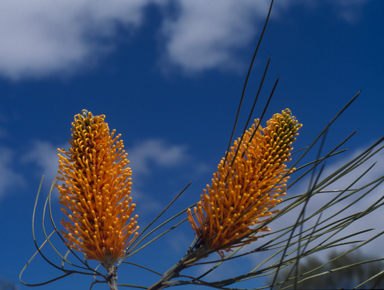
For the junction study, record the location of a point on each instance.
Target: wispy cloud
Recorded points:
(9, 178)
(158, 152)
(44, 155)
(146, 157)
(372, 220)
(205, 35)
(348, 10)
(44, 38)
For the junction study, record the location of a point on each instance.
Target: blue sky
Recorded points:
(168, 75)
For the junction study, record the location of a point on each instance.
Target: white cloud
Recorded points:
(147, 153)
(151, 157)
(42, 38)
(143, 157)
(348, 10)
(9, 177)
(146, 205)
(44, 155)
(158, 152)
(372, 220)
(205, 35)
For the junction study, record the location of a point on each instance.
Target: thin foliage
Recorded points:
(282, 250)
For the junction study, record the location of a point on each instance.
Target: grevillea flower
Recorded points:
(247, 185)
(95, 192)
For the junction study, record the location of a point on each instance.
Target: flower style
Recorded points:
(247, 185)
(95, 192)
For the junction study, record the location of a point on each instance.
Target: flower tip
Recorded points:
(92, 149)
(250, 181)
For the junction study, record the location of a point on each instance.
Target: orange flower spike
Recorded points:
(242, 194)
(95, 192)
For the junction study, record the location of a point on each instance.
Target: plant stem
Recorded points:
(187, 261)
(112, 277)
(170, 274)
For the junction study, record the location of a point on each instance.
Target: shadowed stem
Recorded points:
(112, 277)
(170, 274)
(187, 261)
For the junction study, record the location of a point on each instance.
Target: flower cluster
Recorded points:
(95, 192)
(247, 185)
